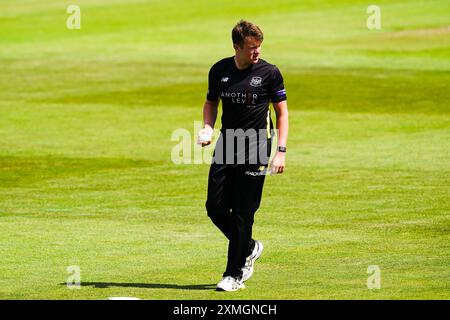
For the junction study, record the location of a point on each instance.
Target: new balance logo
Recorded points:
(224, 79)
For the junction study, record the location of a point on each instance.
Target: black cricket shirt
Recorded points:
(245, 94)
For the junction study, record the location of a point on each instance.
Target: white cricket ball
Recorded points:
(203, 137)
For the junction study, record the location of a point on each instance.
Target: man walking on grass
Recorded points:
(246, 85)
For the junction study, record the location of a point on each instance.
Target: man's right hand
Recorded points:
(205, 136)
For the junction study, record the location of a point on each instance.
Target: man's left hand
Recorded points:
(277, 165)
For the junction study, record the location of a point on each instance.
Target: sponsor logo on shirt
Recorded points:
(224, 79)
(256, 82)
(262, 170)
(240, 97)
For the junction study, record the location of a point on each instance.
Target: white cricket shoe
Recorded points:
(248, 268)
(230, 284)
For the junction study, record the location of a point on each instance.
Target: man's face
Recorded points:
(250, 51)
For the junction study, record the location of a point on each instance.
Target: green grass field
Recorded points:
(86, 177)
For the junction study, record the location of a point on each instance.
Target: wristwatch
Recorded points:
(281, 149)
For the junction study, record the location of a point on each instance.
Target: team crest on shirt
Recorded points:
(256, 82)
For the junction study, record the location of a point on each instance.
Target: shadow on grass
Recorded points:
(104, 285)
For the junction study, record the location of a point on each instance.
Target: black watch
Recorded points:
(281, 149)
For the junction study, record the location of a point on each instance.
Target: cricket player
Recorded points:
(246, 84)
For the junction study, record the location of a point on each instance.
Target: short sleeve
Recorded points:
(277, 91)
(213, 85)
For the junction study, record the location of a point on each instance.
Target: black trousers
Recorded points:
(234, 195)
